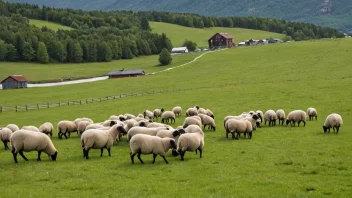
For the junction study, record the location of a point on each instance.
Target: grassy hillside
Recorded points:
(278, 161)
(50, 25)
(178, 33)
(39, 72)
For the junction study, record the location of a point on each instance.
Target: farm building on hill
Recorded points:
(14, 82)
(221, 40)
(179, 50)
(126, 73)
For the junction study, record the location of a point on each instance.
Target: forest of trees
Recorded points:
(104, 36)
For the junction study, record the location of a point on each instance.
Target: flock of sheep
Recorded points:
(148, 137)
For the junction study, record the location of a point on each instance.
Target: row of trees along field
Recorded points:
(105, 36)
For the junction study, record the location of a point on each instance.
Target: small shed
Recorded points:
(126, 73)
(221, 40)
(179, 50)
(14, 82)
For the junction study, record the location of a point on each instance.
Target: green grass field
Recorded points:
(48, 24)
(278, 162)
(178, 34)
(38, 72)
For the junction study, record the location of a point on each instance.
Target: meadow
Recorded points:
(178, 33)
(48, 24)
(279, 161)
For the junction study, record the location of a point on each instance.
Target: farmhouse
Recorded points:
(14, 82)
(126, 73)
(221, 40)
(179, 50)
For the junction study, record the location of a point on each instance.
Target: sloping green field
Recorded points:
(278, 162)
(178, 34)
(48, 24)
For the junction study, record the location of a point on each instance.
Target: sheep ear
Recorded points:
(181, 131)
(112, 123)
(175, 133)
(122, 130)
(255, 117)
(212, 116)
(173, 144)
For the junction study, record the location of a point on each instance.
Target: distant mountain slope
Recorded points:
(333, 13)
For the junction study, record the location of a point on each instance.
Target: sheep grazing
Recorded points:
(120, 117)
(171, 133)
(128, 124)
(207, 120)
(129, 116)
(100, 139)
(192, 121)
(146, 144)
(271, 117)
(47, 128)
(94, 126)
(157, 113)
(260, 115)
(12, 127)
(333, 121)
(192, 140)
(82, 126)
(210, 113)
(280, 114)
(177, 111)
(5, 134)
(76, 121)
(27, 141)
(168, 115)
(202, 111)
(143, 130)
(296, 116)
(30, 128)
(192, 112)
(312, 113)
(65, 127)
(235, 127)
(143, 123)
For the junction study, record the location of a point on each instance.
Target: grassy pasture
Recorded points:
(48, 24)
(278, 162)
(178, 33)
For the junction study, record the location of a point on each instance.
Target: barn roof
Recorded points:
(226, 35)
(18, 78)
(126, 72)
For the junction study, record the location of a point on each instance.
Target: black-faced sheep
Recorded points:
(296, 116)
(312, 113)
(333, 121)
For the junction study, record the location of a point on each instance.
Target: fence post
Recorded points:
(59, 104)
(68, 103)
(38, 106)
(107, 97)
(26, 107)
(0, 109)
(80, 101)
(16, 108)
(86, 101)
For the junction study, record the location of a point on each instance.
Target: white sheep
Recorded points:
(143, 123)
(280, 114)
(31, 128)
(333, 121)
(177, 111)
(202, 111)
(5, 134)
(27, 141)
(157, 113)
(156, 124)
(191, 112)
(146, 144)
(76, 121)
(312, 113)
(234, 126)
(192, 121)
(143, 130)
(100, 139)
(47, 128)
(207, 120)
(148, 114)
(66, 126)
(13, 127)
(128, 124)
(296, 116)
(260, 115)
(168, 115)
(129, 116)
(82, 126)
(271, 117)
(94, 126)
(210, 113)
(192, 140)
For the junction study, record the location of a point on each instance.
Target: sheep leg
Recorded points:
(24, 157)
(165, 159)
(337, 129)
(101, 152)
(64, 135)
(59, 135)
(304, 123)
(227, 135)
(84, 153)
(200, 152)
(154, 156)
(139, 157)
(250, 135)
(39, 153)
(69, 134)
(51, 134)
(5, 144)
(182, 154)
(109, 152)
(14, 155)
(132, 157)
(204, 127)
(233, 135)
(87, 152)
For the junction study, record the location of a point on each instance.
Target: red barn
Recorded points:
(14, 82)
(221, 40)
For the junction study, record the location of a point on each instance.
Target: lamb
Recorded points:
(168, 115)
(143, 130)
(207, 120)
(177, 111)
(191, 112)
(5, 134)
(146, 144)
(238, 126)
(192, 140)
(27, 141)
(312, 113)
(192, 121)
(296, 116)
(66, 126)
(100, 139)
(13, 127)
(281, 116)
(157, 113)
(270, 116)
(82, 126)
(47, 128)
(30, 128)
(333, 121)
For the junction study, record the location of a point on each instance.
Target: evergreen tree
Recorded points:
(145, 24)
(77, 53)
(28, 53)
(60, 52)
(11, 53)
(165, 57)
(3, 51)
(42, 53)
(165, 43)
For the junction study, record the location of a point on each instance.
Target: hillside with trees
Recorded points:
(330, 13)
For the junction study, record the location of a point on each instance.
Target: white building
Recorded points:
(179, 50)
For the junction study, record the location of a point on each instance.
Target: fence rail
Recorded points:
(29, 107)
